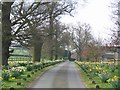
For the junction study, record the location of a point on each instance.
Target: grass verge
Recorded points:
(25, 80)
(88, 81)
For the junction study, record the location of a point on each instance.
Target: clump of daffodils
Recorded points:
(114, 78)
(13, 78)
(19, 69)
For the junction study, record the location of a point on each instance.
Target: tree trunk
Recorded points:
(51, 39)
(56, 56)
(37, 52)
(56, 45)
(6, 31)
(37, 44)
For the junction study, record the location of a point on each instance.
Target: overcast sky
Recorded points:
(97, 13)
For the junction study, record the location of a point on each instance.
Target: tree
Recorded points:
(61, 39)
(94, 50)
(81, 37)
(15, 24)
(35, 31)
(55, 9)
(6, 31)
(116, 17)
(0, 33)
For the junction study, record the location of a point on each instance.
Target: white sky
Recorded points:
(97, 13)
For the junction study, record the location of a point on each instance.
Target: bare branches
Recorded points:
(81, 37)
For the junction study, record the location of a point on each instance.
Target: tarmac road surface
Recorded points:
(64, 75)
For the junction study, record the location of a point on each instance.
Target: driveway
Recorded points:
(64, 75)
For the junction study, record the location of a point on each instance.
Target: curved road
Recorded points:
(64, 75)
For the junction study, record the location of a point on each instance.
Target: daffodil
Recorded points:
(109, 80)
(1, 78)
(10, 75)
(96, 68)
(115, 77)
(112, 79)
(13, 78)
(90, 70)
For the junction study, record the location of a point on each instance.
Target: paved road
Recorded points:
(64, 75)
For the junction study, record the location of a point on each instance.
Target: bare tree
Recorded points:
(55, 9)
(14, 24)
(31, 33)
(62, 39)
(80, 37)
(116, 19)
(94, 50)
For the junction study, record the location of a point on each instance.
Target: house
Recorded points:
(112, 56)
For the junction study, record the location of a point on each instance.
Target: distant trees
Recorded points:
(55, 9)
(117, 40)
(60, 41)
(82, 41)
(94, 50)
